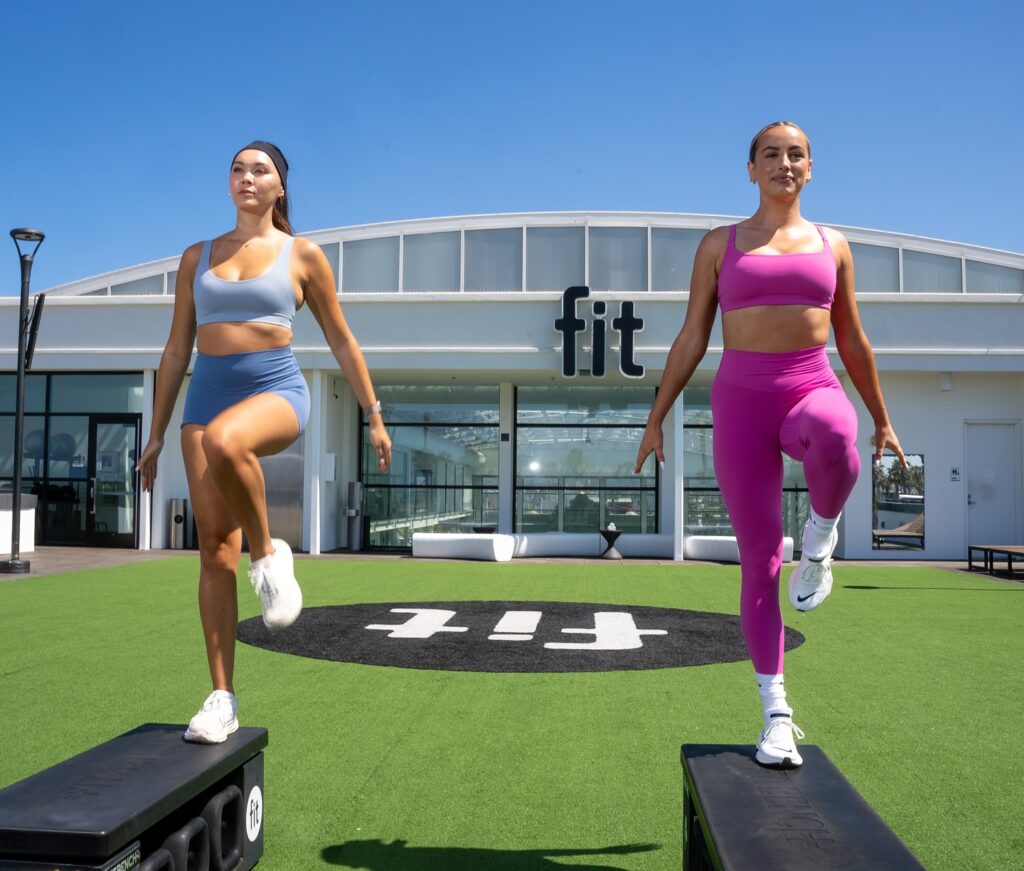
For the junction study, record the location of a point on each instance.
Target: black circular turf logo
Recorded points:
(510, 636)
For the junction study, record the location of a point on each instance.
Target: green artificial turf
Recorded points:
(911, 680)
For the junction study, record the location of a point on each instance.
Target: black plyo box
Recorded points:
(89, 809)
(738, 814)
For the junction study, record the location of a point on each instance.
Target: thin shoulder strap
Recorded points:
(732, 235)
(821, 232)
(286, 250)
(204, 258)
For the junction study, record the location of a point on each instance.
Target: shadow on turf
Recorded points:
(375, 855)
(941, 589)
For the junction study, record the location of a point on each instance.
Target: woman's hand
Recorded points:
(147, 462)
(653, 440)
(885, 437)
(381, 442)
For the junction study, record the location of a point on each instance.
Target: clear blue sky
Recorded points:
(120, 118)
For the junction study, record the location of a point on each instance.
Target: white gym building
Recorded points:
(502, 419)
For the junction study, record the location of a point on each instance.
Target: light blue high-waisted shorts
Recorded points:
(218, 382)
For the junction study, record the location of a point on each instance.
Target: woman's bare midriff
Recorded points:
(217, 340)
(775, 329)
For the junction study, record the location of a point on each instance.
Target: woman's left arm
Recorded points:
(855, 350)
(319, 294)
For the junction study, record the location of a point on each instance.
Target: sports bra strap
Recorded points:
(204, 257)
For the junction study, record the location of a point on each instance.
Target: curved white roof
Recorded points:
(627, 251)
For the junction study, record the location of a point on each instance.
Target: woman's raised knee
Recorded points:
(221, 448)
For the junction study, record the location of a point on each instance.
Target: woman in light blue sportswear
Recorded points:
(235, 297)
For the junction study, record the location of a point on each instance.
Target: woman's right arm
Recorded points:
(173, 364)
(690, 345)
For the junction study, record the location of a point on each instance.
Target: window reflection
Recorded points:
(444, 470)
(897, 504)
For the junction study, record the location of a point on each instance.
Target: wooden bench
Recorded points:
(989, 551)
(738, 815)
(144, 801)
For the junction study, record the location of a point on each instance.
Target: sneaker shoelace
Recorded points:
(266, 588)
(814, 572)
(774, 725)
(218, 705)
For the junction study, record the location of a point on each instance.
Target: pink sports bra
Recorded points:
(747, 280)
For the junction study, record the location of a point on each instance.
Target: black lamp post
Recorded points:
(16, 565)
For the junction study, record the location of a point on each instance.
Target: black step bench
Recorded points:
(738, 815)
(145, 800)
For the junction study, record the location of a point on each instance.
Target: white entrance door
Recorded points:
(993, 483)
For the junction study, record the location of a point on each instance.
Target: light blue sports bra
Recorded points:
(265, 299)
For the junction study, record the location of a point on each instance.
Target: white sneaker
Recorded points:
(811, 581)
(217, 719)
(273, 579)
(776, 747)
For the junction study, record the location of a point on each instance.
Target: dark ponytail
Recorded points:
(280, 216)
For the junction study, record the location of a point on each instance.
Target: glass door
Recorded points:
(111, 509)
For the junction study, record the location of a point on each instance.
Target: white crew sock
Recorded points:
(773, 696)
(818, 534)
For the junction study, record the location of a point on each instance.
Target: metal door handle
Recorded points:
(92, 495)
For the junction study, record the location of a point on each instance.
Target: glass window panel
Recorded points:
(444, 404)
(931, 273)
(554, 258)
(696, 405)
(371, 266)
(618, 258)
(594, 453)
(33, 460)
(992, 278)
(585, 510)
(101, 292)
(69, 446)
(876, 268)
(698, 462)
(706, 514)
(583, 405)
(672, 254)
(120, 393)
(494, 260)
(427, 456)
(151, 285)
(65, 509)
(172, 280)
(898, 504)
(431, 262)
(35, 392)
(393, 514)
(330, 250)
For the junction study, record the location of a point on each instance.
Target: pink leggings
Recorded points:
(763, 405)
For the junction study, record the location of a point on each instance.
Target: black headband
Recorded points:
(274, 153)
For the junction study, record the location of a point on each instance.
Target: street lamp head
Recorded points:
(24, 234)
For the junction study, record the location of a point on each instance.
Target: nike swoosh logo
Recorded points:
(802, 599)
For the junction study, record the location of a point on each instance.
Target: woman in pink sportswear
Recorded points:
(781, 283)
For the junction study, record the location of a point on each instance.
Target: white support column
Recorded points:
(146, 500)
(314, 450)
(506, 459)
(674, 468)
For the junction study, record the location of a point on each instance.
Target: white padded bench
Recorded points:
(493, 547)
(723, 548)
(496, 547)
